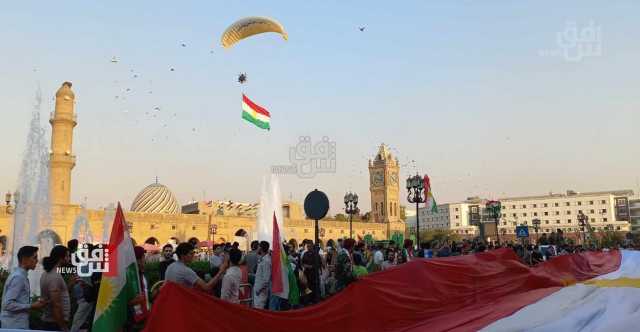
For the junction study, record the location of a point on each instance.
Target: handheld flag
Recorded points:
(428, 195)
(121, 283)
(284, 283)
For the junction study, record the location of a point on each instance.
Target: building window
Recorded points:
(382, 209)
(557, 221)
(457, 216)
(603, 202)
(593, 211)
(590, 202)
(593, 219)
(193, 228)
(546, 213)
(504, 215)
(568, 203)
(617, 228)
(514, 215)
(342, 231)
(579, 203)
(546, 222)
(376, 207)
(568, 212)
(535, 214)
(545, 204)
(306, 230)
(456, 209)
(373, 232)
(555, 204)
(331, 231)
(604, 210)
(604, 219)
(457, 225)
(173, 227)
(504, 223)
(568, 221)
(535, 206)
(557, 213)
(524, 206)
(513, 206)
(524, 214)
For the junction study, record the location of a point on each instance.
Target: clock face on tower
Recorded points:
(378, 178)
(394, 178)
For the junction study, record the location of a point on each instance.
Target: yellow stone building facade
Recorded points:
(156, 216)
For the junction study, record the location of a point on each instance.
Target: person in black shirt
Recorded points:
(167, 252)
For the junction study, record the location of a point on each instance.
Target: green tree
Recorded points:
(439, 235)
(340, 217)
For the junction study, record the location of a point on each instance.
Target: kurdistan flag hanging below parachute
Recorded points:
(121, 283)
(255, 113)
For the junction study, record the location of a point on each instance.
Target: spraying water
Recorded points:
(81, 230)
(32, 213)
(270, 202)
(107, 222)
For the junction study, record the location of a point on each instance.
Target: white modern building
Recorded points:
(634, 213)
(554, 211)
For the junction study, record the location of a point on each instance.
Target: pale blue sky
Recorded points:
(460, 87)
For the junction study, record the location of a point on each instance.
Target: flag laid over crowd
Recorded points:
(120, 284)
(607, 303)
(462, 293)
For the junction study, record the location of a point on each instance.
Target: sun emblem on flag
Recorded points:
(105, 296)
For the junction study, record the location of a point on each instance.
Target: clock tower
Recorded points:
(384, 187)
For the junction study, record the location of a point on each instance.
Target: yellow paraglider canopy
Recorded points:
(250, 26)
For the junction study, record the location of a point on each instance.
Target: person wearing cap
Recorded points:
(183, 275)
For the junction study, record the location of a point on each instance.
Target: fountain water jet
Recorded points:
(81, 230)
(270, 202)
(32, 211)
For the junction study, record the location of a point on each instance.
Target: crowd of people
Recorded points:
(68, 301)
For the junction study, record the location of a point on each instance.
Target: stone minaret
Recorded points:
(62, 160)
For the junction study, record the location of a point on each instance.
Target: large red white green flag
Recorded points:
(121, 283)
(489, 291)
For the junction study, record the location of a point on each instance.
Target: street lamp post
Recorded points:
(415, 187)
(494, 208)
(536, 227)
(582, 220)
(351, 208)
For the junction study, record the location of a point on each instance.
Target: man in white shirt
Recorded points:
(232, 278)
(262, 284)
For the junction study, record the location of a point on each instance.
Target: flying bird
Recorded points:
(114, 60)
(172, 69)
(361, 28)
(183, 45)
